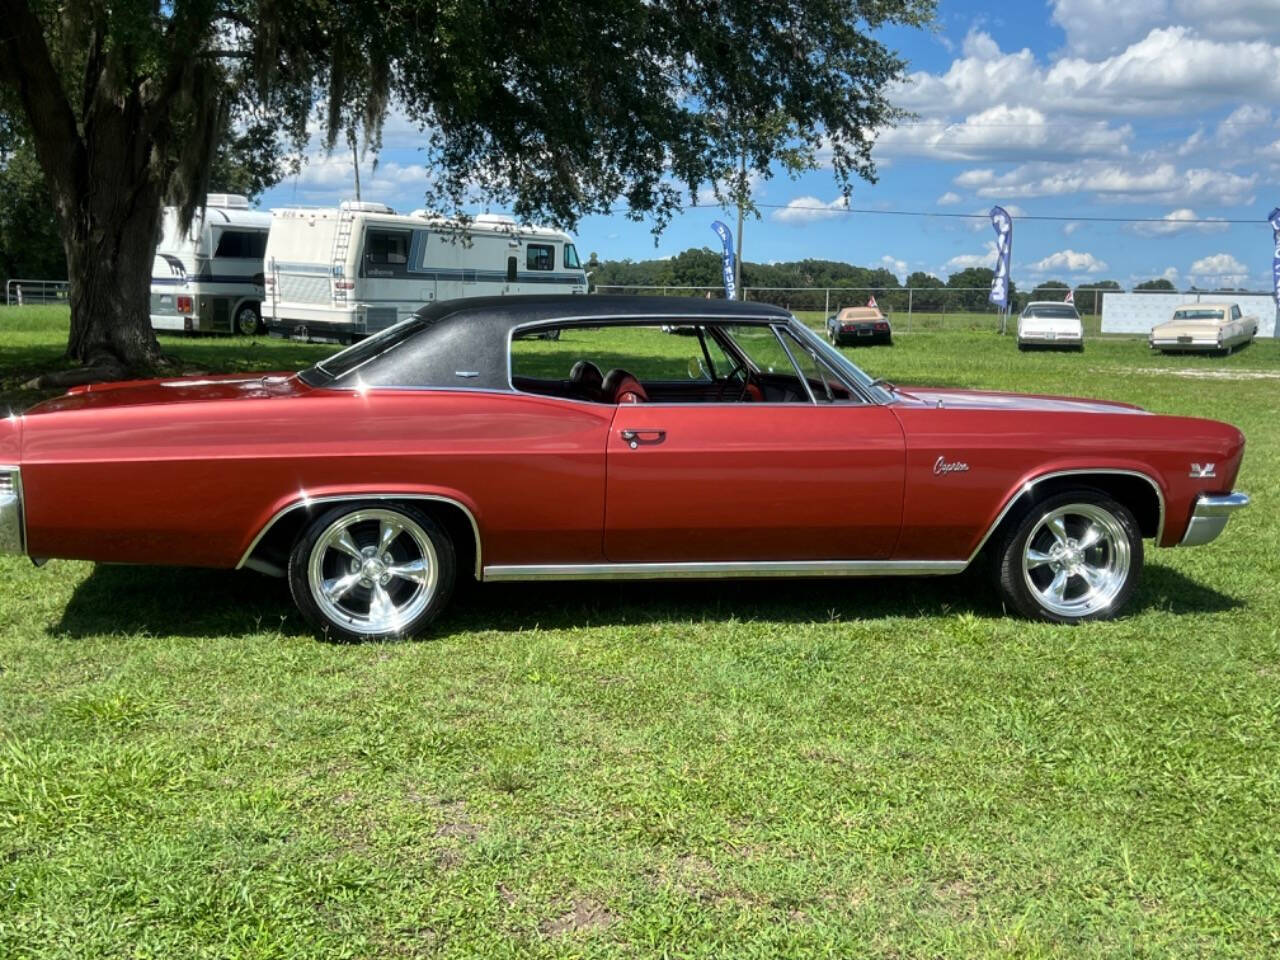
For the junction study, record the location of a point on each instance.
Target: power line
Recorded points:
(1026, 216)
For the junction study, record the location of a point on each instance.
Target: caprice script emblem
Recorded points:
(943, 465)
(1203, 471)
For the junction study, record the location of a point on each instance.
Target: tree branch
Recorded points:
(27, 67)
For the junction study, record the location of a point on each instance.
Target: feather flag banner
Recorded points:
(726, 238)
(1003, 225)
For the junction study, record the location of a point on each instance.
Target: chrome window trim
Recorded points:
(827, 351)
(19, 506)
(305, 502)
(786, 348)
(1029, 485)
(725, 569)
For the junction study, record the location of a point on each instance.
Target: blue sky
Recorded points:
(1166, 109)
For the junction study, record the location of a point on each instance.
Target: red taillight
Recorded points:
(882, 326)
(344, 284)
(185, 305)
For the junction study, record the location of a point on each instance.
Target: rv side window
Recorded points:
(382, 246)
(571, 257)
(541, 257)
(242, 244)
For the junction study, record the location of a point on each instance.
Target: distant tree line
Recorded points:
(963, 291)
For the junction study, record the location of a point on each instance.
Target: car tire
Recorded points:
(372, 571)
(248, 321)
(1070, 558)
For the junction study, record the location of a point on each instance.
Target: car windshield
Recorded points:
(1197, 315)
(340, 364)
(1053, 311)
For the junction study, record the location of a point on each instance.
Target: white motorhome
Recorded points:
(343, 273)
(209, 280)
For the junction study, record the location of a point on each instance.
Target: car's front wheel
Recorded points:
(372, 571)
(1072, 557)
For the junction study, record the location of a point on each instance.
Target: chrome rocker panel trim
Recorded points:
(13, 526)
(303, 503)
(726, 569)
(1209, 517)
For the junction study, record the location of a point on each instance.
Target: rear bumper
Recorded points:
(1050, 338)
(12, 528)
(1209, 517)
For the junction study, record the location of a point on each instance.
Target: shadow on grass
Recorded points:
(210, 603)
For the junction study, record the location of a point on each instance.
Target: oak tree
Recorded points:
(554, 110)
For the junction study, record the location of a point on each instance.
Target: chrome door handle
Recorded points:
(634, 438)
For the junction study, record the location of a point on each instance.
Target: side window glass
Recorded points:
(511, 269)
(383, 246)
(540, 256)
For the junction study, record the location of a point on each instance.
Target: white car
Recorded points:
(1050, 323)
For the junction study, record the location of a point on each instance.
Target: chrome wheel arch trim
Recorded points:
(304, 503)
(1030, 485)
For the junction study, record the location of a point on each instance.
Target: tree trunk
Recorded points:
(110, 245)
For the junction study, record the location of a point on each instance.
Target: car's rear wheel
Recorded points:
(372, 571)
(1072, 557)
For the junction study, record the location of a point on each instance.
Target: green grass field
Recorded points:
(826, 769)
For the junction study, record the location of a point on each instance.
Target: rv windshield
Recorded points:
(571, 257)
(327, 372)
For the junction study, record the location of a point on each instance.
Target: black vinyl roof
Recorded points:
(463, 343)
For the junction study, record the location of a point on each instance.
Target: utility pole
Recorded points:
(355, 165)
(737, 262)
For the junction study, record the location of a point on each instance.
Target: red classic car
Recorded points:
(464, 442)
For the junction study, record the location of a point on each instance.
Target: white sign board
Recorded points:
(1139, 312)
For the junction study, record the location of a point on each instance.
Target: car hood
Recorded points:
(990, 400)
(226, 386)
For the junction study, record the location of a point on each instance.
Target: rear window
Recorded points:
(1197, 315)
(1065, 311)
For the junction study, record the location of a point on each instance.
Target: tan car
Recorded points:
(1216, 327)
(858, 325)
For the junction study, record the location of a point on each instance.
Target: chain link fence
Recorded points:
(19, 292)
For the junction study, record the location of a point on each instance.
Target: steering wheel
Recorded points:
(748, 378)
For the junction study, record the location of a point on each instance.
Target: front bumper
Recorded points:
(1209, 517)
(12, 528)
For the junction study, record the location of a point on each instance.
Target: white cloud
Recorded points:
(1135, 181)
(1070, 261)
(949, 199)
(1178, 221)
(1220, 268)
(810, 209)
(966, 260)
(1069, 228)
(1003, 132)
(1106, 25)
(1170, 68)
(897, 267)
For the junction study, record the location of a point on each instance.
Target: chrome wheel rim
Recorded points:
(373, 571)
(246, 321)
(1076, 560)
